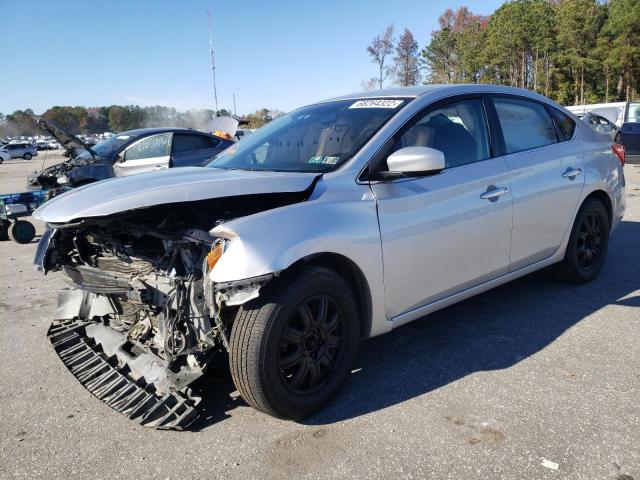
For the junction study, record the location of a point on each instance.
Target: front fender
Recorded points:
(271, 241)
(90, 172)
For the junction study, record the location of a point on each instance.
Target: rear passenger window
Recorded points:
(184, 142)
(525, 125)
(565, 124)
(458, 130)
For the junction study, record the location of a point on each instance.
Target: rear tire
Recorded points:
(22, 231)
(588, 244)
(292, 348)
(27, 156)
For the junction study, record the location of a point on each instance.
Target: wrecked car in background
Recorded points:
(127, 153)
(335, 222)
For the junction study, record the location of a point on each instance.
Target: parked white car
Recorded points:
(615, 112)
(601, 125)
(338, 221)
(4, 155)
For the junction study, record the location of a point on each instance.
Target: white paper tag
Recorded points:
(330, 160)
(377, 103)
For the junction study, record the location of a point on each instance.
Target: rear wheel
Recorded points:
(27, 156)
(22, 231)
(292, 348)
(588, 244)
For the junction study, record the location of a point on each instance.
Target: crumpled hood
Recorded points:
(169, 186)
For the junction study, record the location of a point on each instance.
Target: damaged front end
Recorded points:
(73, 172)
(142, 321)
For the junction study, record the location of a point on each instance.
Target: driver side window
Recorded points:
(149, 147)
(458, 130)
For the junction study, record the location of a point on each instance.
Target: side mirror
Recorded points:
(415, 162)
(120, 157)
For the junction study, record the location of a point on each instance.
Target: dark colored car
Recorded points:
(631, 140)
(126, 153)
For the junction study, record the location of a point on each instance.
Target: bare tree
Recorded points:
(367, 85)
(379, 49)
(406, 67)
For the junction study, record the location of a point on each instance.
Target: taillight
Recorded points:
(619, 151)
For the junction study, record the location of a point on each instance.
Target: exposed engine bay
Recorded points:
(142, 320)
(69, 173)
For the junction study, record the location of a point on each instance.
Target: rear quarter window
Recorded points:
(566, 125)
(187, 142)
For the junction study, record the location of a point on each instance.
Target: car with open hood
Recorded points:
(338, 221)
(127, 153)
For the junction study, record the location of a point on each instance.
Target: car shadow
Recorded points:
(491, 331)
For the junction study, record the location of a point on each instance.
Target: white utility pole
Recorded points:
(213, 61)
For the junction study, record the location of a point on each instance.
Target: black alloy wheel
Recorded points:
(588, 243)
(292, 348)
(311, 345)
(589, 239)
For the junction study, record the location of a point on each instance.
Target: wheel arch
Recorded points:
(354, 277)
(602, 197)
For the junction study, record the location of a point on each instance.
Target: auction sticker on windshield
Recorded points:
(377, 103)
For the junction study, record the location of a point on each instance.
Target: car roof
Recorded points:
(152, 130)
(453, 89)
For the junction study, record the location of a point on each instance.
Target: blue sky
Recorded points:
(279, 54)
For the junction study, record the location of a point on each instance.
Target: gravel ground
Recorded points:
(535, 379)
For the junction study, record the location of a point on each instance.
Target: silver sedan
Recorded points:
(338, 221)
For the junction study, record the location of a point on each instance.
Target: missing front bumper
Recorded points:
(136, 386)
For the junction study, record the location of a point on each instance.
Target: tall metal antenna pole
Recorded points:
(234, 104)
(213, 61)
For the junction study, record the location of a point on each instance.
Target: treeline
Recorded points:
(117, 118)
(574, 51)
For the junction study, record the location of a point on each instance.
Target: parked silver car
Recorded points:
(338, 221)
(20, 150)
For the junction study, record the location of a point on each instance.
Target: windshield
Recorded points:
(108, 147)
(318, 138)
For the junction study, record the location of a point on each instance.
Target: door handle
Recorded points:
(158, 167)
(494, 192)
(572, 173)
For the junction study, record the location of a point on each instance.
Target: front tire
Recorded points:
(27, 156)
(588, 244)
(292, 348)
